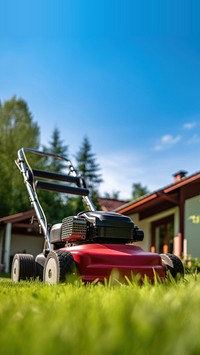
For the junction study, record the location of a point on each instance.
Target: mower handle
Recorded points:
(31, 185)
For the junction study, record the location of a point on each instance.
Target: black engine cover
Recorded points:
(99, 227)
(109, 227)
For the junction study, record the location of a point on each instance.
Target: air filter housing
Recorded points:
(73, 229)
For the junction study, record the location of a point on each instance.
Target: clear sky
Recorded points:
(124, 73)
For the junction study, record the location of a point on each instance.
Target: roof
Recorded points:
(164, 198)
(18, 217)
(109, 204)
(22, 223)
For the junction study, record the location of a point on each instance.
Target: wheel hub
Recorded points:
(51, 271)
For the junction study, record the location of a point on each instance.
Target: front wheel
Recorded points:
(23, 267)
(58, 266)
(173, 264)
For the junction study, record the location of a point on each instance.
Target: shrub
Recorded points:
(191, 265)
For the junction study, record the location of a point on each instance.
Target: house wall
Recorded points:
(1, 247)
(11, 243)
(26, 244)
(192, 227)
(145, 225)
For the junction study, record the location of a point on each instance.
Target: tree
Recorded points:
(89, 171)
(56, 146)
(87, 166)
(54, 204)
(138, 190)
(17, 130)
(114, 195)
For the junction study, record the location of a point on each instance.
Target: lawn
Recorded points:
(74, 319)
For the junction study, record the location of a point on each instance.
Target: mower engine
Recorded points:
(98, 227)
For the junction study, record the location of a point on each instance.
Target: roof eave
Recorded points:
(131, 206)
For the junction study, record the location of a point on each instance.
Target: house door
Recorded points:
(162, 235)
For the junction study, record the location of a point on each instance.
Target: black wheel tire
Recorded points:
(58, 265)
(177, 268)
(23, 267)
(39, 266)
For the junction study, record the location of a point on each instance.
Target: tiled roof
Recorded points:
(142, 201)
(109, 204)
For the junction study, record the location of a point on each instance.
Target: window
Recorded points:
(162, 235)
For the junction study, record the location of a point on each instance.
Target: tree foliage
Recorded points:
(17, 129)
(88, 168)
(114, 195)
(138, 190)
(54, 203)
(87, 165)
(56, 146)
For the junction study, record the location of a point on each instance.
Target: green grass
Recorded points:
(100, 320)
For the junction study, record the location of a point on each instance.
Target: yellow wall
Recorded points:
(145, 225)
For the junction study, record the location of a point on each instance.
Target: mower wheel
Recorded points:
(39, 263)
(173, 264)
(58, 265)
(23, 267)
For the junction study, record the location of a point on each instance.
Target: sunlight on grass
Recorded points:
(97, 319)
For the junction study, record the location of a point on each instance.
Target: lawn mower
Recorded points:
(93, 245)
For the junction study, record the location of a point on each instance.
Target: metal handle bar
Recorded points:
(44, 185)
(72, 170)
(56, 176)
(26, 170)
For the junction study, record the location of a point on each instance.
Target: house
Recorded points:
(169, 217)
(18, 235)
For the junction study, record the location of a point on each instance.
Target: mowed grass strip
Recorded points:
(99, 320)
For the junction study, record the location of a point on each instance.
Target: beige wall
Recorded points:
(145, 244)
(145, 225)
(1, 245)
(29, 244)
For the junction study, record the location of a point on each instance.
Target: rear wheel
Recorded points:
(173, 264)
(23, 267)
(58, 266)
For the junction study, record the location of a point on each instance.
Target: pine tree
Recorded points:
(89, 171)
(53, 203)
(56, 146)
(87, 165)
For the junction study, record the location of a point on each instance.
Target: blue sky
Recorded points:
(124, 73)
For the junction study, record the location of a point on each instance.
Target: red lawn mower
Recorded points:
(94, 245)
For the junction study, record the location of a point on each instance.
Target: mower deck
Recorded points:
(100, 261)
